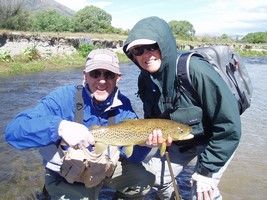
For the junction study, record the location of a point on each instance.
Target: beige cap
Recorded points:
(102, 59)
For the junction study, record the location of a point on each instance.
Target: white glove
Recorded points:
(75, 134)
(204, 184)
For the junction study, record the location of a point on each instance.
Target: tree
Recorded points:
(258, 37)
(91, 19)
(50, 20)
(225, 38)
(12, 16)
(183, 29)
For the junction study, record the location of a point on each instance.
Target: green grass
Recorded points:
(76, 60)
(252, 53)
(123, 58)
(55, 63)
(18, 66)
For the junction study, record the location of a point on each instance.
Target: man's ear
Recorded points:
(84, 77)
(118, 78)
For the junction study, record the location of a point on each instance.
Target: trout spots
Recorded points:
(135, 132)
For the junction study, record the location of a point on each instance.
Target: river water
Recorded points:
(21, 172)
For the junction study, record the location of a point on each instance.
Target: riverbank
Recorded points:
(30, 52)
(22, 65)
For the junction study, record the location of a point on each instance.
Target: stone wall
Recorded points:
(47, 46)
(17, 43)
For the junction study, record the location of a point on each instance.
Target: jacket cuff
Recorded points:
(204, 171)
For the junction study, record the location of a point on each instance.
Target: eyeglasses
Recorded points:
(108, 75)
(138, 51)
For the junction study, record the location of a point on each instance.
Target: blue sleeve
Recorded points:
(38, 126)
(126, 110)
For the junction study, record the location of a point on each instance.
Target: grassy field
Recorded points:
(32, 62)
(19, 66)
(75, 60)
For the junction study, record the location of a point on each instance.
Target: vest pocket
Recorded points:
(191, 116)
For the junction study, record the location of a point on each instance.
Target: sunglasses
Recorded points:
(108, 75)
(138, 51)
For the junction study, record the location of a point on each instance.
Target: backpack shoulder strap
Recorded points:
(182, 72)
(79, 104)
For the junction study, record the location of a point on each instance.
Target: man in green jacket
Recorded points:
(214, 118)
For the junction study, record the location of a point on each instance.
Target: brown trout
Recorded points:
(135, 132)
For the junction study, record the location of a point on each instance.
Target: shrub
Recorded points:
(30, 53)
(5, 55)
(85, 46)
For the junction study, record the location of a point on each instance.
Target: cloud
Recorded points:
(101, 4)
(233, 17)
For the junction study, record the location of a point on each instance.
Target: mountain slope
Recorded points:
(38, 5)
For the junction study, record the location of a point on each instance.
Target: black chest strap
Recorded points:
(79, 104)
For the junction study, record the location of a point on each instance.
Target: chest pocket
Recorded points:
(189, 114)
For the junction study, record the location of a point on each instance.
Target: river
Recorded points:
(21, 172)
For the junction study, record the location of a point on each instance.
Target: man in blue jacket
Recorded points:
(52, 121)
(215, 118)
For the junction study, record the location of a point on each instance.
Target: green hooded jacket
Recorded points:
(215, 118)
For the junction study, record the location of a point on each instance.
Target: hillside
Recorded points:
(38, 5)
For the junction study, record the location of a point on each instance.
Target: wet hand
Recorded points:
(155, 138)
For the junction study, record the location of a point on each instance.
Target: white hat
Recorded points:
(140, 42)
(102, 59)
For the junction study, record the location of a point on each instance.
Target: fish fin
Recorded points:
(100, 147)
(95, 127)
(128, 150)
(163, 149)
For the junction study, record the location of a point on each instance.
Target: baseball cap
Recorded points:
(140, 42)
(102, 59)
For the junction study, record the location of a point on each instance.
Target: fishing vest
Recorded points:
(81, 165)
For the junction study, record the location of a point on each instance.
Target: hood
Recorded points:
(154, 28)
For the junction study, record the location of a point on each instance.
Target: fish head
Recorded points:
(181, 133)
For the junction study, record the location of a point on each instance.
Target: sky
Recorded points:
(208, 17)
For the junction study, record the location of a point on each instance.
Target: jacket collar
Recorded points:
(112, 101)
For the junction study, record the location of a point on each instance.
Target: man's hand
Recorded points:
(204, 185)
(155, 138)
(75, 134)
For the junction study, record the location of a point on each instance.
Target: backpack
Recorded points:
(227, 63)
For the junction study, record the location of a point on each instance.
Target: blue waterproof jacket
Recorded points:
(38, 126)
